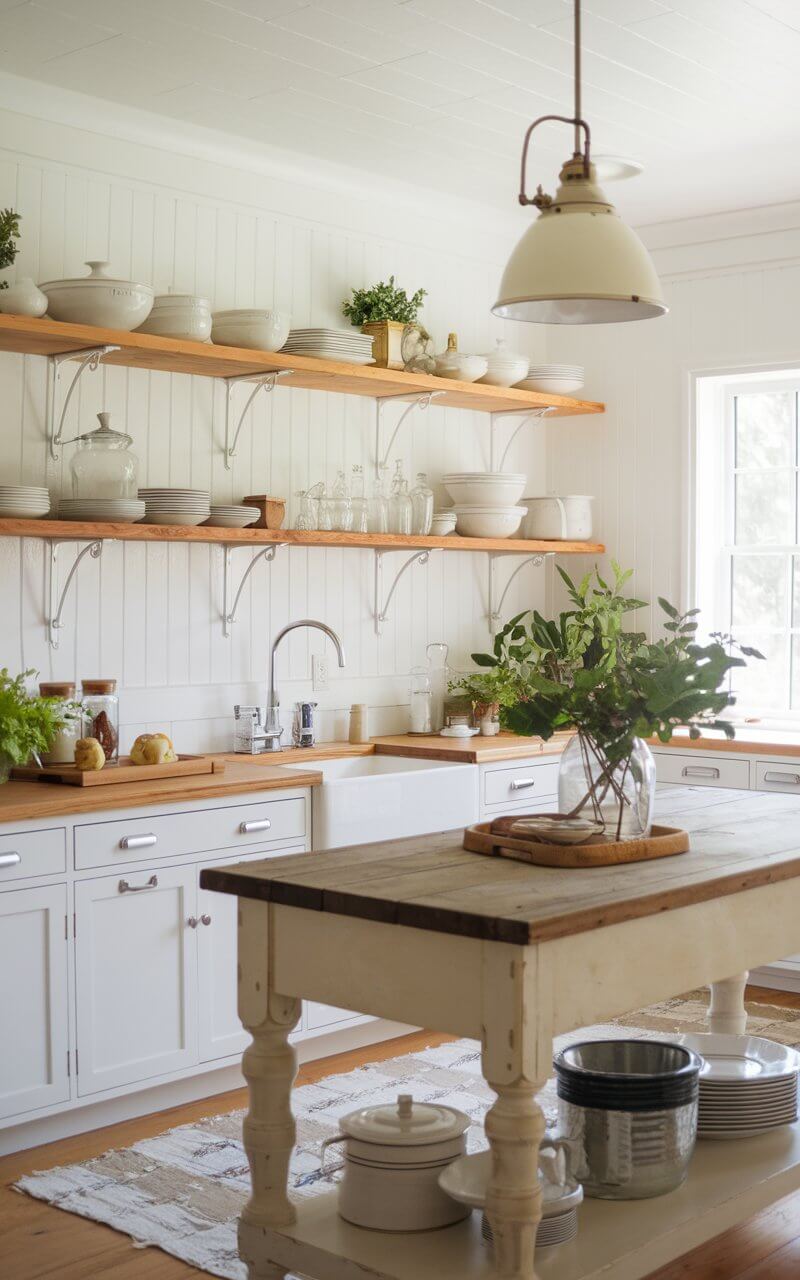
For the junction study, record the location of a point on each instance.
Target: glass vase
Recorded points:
(619, 794)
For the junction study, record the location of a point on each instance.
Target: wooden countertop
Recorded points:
(749, 739)
(21, 801)
(739, 840)
(476, 750)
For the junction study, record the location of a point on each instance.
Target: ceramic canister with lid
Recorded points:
(393, 1157)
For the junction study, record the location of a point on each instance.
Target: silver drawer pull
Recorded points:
(772, 775)
(520, 784)
(192, 922)
(261, 824)
(205, 918)
(699, 771)
(10, 859)
(124, 887)
(138, 842)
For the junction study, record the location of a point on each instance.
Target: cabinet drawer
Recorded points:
(520, 783)
(702, 771)
(777, 777)
(241, 826)
(32, 853)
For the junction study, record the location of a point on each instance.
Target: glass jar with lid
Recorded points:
(62, 748)
(103, 465)
(101, 715)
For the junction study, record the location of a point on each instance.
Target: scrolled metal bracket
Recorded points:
(229, 609)
(419, 400)
(56, 602)
(381, 615)
(265, 381)
(89, 359)
(528, 415)
(496, 605)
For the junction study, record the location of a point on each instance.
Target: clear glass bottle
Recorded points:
(103, 465)
(419, 719)
(617, 793)
(307, 511)
(359, 506)
(324, 511)
(379, 503)
(101, 715)
(399, 502)
(62, 748)
(421, 505)
(342, 513)
(439, 674)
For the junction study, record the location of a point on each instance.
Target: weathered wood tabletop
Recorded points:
(739, 840)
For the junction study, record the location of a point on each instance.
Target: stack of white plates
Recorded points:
(120, 510)
(559, 1228)
(466, 1180)
(748, 1085)
(176, 506)
(233, 517)
(561, 379)
(348, 346)
(23, 502)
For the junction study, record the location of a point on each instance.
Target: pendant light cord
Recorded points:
(583, 137)
(577, 77)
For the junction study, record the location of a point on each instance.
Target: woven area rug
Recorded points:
(183, 1190)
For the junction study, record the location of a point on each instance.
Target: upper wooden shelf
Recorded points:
(142, 351)
(89, 530)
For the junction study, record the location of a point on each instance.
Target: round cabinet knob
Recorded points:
(192, 922)
(205, 918)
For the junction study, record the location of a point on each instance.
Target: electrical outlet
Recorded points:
(319, 672)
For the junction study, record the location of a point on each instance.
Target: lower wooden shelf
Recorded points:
(617, 1240)
(91, 531)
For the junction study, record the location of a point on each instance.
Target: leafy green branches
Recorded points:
(28, 722)
(384, 301)
(9, 234)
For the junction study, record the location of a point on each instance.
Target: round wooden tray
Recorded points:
(494, 839)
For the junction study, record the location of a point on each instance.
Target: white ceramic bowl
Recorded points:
(179, 315)
(452, 364)
(443, 523)
(99, 299)
(556, 386)
(504, 367)
(259, 330)
(488, 522)
(176, 517)
(22, 511)
(485, 488)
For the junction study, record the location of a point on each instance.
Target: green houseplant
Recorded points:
(28, 722)
(616, 688)
(384, 311)
(9, 235)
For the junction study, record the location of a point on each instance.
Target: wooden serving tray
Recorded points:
(122, 772)
(495, 840)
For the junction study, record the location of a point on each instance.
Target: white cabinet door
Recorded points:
(33, 999)
(220, 1031)
(136, 976)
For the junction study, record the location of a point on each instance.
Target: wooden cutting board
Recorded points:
(114, 773)
(497, 840)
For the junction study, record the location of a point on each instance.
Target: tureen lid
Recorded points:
(405, 1123)
(97, 275)
(502, 355)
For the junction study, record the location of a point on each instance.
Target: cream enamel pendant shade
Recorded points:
(578, 263)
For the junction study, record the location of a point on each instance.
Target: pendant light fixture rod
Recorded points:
(577, 52)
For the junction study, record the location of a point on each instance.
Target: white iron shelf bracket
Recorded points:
(229, 608)
(55, 607)
(268, 382)
(419, 400)
(532, 415)
(87, 359)
(381, 615)
(495, 603)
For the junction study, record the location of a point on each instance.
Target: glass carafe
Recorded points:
(342, 513)
(324, 511)
(439, 675)
(379, 504)
(308, 509)
(359, 507)
(400, 507)
(421, 505)
(103, 465)
(419, 719)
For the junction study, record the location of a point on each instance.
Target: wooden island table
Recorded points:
(422, 932)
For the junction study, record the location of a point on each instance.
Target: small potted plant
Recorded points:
(616, 688)
(384, 311)
(28, 722)
(487, 692)
(9, 235)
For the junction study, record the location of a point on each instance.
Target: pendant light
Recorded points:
(578, 263)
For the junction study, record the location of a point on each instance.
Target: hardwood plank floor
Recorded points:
(38, 1241)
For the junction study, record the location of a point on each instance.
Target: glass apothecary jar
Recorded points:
(101, 715)
(421, 701)
(62, 749)
(619, 793)
(103, 465)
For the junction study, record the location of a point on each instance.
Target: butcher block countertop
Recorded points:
(739, 840)
(475, 750)
(749, 740)
(23, 801)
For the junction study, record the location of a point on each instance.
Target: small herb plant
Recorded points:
(28, 722)
(487, 688)
(384, 301)
(9, 235)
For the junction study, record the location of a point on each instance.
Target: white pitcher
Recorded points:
(559, 519)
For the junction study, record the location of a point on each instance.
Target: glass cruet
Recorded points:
(399, 502)
(421, 505)
(379, 503)
(359, 507)
(103, 465)
(342, 510)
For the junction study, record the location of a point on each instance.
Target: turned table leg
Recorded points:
(726, 1012)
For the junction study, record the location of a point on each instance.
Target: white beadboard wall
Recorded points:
(151, 615)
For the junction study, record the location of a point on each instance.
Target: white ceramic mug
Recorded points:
(559, 519)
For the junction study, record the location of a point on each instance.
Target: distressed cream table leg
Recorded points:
(514, 1067)
(726, 1012)
(269, 1065)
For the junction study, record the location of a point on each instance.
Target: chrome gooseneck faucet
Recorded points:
(272, 728)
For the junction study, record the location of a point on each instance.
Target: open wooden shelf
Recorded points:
(90, 531)
(47, 337)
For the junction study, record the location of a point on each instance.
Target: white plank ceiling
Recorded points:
(439, 92)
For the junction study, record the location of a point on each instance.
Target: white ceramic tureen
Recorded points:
(98, 299)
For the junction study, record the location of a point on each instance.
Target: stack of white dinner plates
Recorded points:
(348, 346)
(237, 516)
(176, 506)
(561, 379)
(120, 510)
(466, 1179)
(23, 502)
(748, 1085)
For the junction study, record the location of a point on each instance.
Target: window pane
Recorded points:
(765, 429)
(795, 672)
(796, 592)
(764, 507)
(763, 686)
(758, 591)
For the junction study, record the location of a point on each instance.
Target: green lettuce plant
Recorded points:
(28, 722)
(384, 301)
